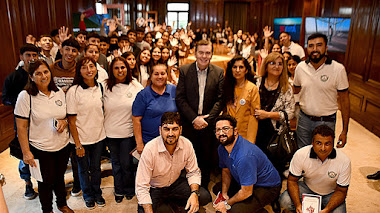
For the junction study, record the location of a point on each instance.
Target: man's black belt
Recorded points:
(321, 118)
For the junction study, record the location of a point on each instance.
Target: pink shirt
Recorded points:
(157, 168)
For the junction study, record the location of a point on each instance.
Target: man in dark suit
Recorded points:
(198, 98)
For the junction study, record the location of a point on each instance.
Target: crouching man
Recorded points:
(325, 171)
(249, 180)
(158, 178)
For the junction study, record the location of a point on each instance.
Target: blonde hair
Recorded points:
(284, 82)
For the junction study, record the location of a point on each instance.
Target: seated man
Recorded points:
(325, 171)
(158, 177)
(248, 177)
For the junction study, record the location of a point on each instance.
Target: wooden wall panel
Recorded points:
(206, 13)
(363, 64)
(19, 18)
(362, 37)
(374, 69)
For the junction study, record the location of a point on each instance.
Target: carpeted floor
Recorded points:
(363, 195)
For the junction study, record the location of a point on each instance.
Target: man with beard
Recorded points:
(320, 81)
(159, 180)
(249, 180)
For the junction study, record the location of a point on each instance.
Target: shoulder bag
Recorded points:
(283, 145)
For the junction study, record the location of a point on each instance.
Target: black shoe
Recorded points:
(118, 198)
(30, 194)
(100, 201)
(375, 176)
(90, 204)
(75, 192)
(129, 197)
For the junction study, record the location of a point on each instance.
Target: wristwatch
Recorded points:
(2, 180)
(228, 207)
(196, 192)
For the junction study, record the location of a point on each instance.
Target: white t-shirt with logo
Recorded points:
(43, 110)
(295, 49)
(321, 177)
(87, 105)
(319, 88)
(118, 109)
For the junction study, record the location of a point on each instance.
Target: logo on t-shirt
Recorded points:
(332, 174)
(58, 102)
(324, 78)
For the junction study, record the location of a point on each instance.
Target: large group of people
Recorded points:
(73, 97)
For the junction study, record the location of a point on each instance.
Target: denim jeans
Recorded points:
(90, 172)
(23, 169)
(123, 169)
(305, 128)
(287, 203)
(177, 193)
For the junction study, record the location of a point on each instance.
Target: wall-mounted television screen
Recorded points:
(289, 25)
(336, 30)
(92, 23)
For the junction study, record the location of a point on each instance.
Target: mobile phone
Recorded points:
(55, 123)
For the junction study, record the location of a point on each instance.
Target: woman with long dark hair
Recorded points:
(86, 118)
(143, 67)
(241, 97)
(156, 55)
(119, 95)
(42, 131)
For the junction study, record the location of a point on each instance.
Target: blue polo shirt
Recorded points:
(249, 165)
(151, 106)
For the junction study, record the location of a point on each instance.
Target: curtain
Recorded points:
(236, 15)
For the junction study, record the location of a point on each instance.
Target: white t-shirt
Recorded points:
(144, 75)
(246, 52)
(295, 49)
(321, 177)
(44, 109)
(102, 74)
(319, 88)
(118, 109)
(87, 105)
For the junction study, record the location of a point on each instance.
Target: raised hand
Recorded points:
(172, 61)
(30, 39)
(267, 32)
(263, 53)
(63, 34)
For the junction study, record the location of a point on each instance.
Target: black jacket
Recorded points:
(14, 83)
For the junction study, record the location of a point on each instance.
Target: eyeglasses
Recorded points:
(224, 129)
(274, 63)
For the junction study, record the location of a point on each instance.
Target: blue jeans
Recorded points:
(23, 169)
(305, 128)
(123, 169)
(90, 172)
(287, 203)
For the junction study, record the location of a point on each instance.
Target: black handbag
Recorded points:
(15, 148)
(14, 145)
(283, 145)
